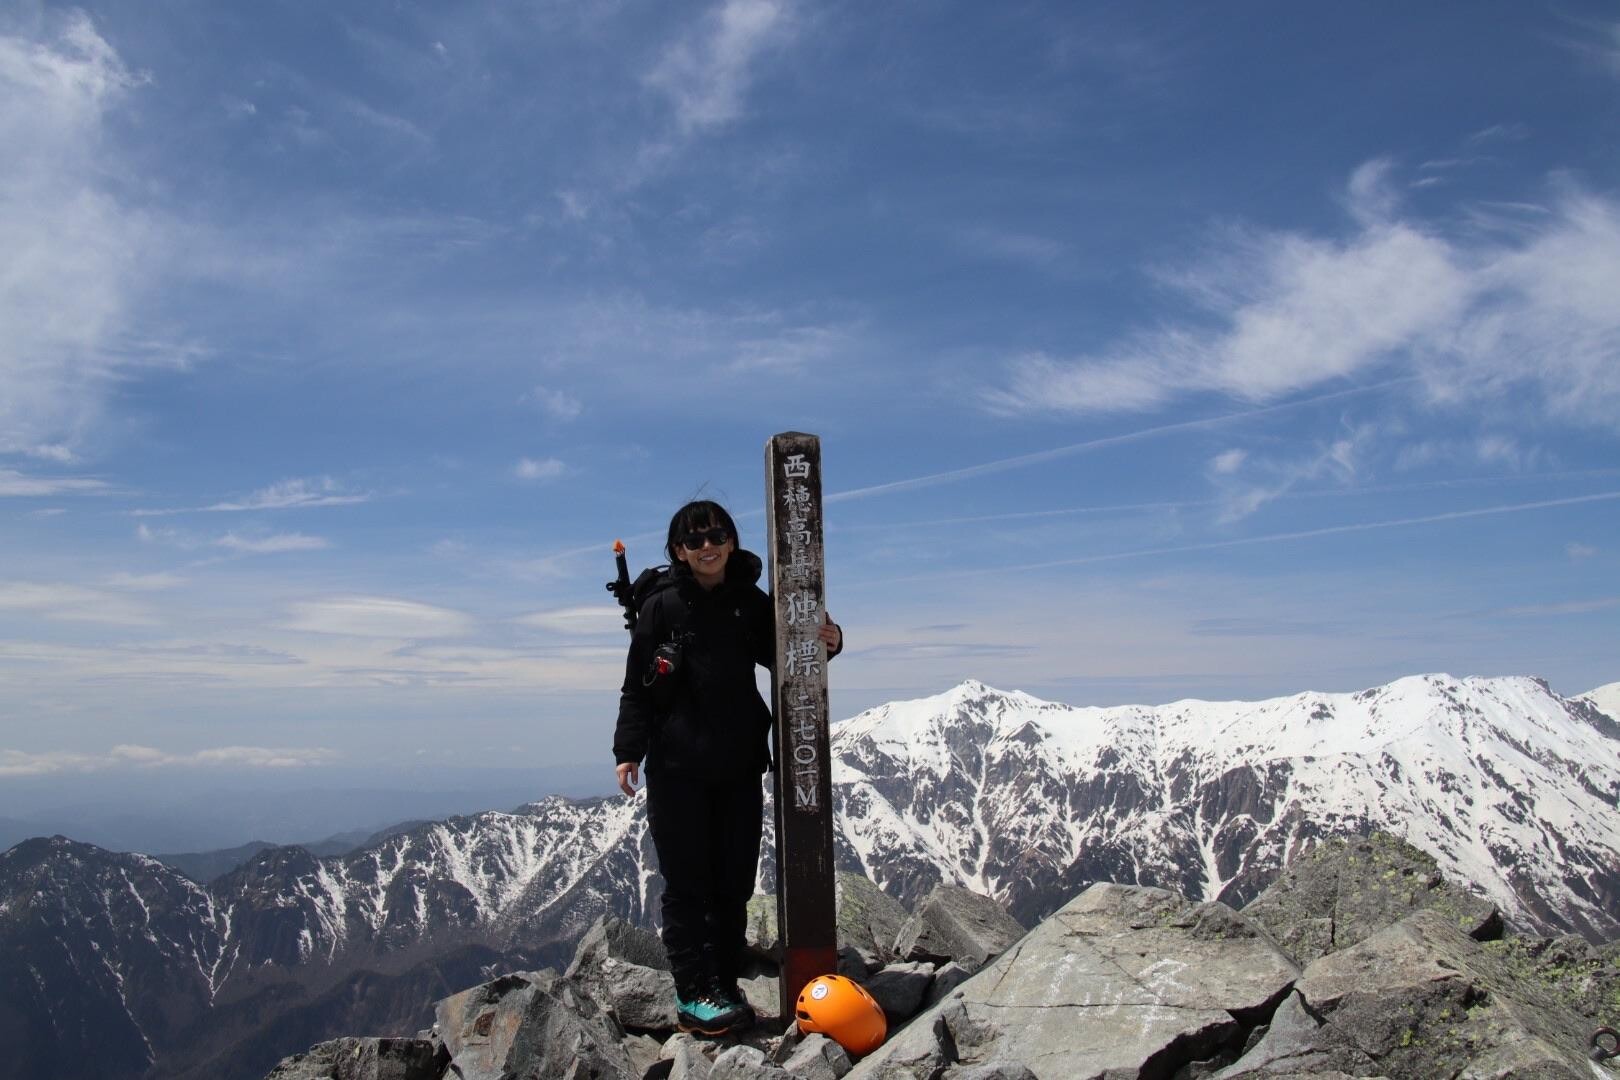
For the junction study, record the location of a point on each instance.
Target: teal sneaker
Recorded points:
(701, 1011)
(728, 991)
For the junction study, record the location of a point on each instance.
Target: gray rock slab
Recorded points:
(744, 1063)
(1010, 1071)
(900, 989)
(1122, 981)
(528, 1027)
(624, 969)
(945, 980)
(1292, 1045)
(637, 997)
(689, 1063)
(364, 1059)
(1418, 999)
(869, 919)
(953, 923)
(818, 1058)
(1584, 977)
(611, 936)
(674, 1043)
(855, 964)
(644, 1052)
(761, 933)
(763, 993)
(1346, 890)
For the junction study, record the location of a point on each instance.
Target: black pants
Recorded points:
(707, 836)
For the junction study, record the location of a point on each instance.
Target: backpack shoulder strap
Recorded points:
(654, 583)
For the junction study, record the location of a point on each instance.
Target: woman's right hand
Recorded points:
(629, 776)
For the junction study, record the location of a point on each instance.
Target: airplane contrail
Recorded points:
(1268, 538)
(1041, 456)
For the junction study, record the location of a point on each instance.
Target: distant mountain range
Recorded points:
(205, 866)
(116, 962)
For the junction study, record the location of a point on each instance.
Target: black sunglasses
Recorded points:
(694, 540)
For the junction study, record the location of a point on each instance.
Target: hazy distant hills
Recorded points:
(1504, 782)
(200, 811)
(205, 866)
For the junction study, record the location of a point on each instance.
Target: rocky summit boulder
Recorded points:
(1123, 981)
(953, 923)
(762, 934)
(365, 1059)
(1583, 977)
(900, 988)
(1416, 1000)
(623, 968)
(531, 1026)
(817, 1058)
(869, 919)
(611, 937)
(1346, 890)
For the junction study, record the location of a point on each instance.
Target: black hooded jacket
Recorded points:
(707, 718)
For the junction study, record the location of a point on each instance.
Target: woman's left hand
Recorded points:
(830, 634)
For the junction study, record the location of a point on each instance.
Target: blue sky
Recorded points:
(1221, 352)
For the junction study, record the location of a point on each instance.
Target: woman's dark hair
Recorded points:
(694, 516)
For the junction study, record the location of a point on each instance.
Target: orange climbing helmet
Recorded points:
(842, 1010)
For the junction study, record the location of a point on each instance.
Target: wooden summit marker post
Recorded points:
(805, 904)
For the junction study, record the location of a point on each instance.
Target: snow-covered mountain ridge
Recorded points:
(1508, 785)
(124, 963)
(1606, 698)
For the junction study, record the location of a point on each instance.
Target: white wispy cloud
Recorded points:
(271, 544)
(62, 602)
(145, 582)
(1286, 312)
(14, 483)
(791, 350)
(131, 756)
(295, 494)
(1567, 607)
(78, 251)
(1247, 482)
(1578, 551)
(51, 452)
(242, 543)
(706, 75)
(378, 617)
(1594, 39)
(1514, 132)
(541, 469)
(1009, 246)
(1489, 449)
(385, 121)
(557, 404)
(590, 619)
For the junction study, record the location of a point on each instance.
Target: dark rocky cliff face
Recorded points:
(108, 957)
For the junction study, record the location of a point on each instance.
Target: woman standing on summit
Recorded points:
(690, 707)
